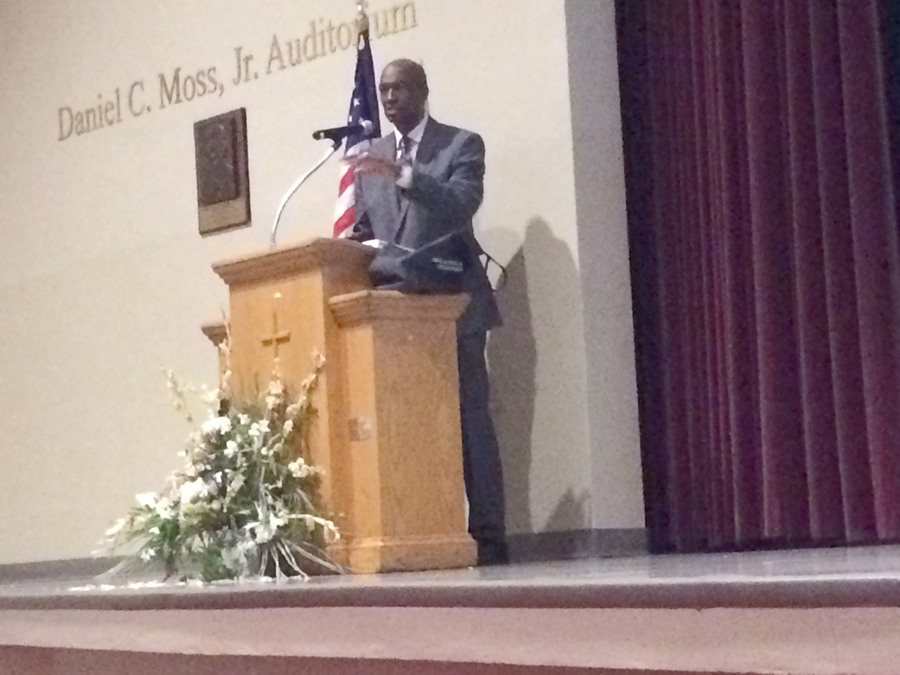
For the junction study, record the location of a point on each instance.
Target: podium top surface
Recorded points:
(294, 258)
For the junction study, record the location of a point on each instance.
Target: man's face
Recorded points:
(402, 99)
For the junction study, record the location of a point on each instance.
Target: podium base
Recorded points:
(407, 554)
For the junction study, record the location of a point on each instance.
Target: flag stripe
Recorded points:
(345, 222)
(363, 106)
(346, 180)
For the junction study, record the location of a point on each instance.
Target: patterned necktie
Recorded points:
(405, 159)
(406, 146)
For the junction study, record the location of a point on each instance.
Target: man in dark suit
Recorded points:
(422, 182)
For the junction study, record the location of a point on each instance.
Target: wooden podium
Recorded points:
(387, 432)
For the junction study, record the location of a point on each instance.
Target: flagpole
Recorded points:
(362, 18)
(362, 24)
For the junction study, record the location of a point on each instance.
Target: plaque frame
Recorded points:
(223, 181)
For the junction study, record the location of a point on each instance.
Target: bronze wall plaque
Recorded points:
(223, 183)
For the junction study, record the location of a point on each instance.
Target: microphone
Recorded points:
(337, 134)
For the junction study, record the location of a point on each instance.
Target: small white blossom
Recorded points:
(263, 532)
(236, 484)
(164, 508)
(230, 449)
(147, 500)
(275, 522)
(288, 427)
(217, 425)
(148, 554)
(300, 469)
(193, 490)
(275, 394)
(244, 419)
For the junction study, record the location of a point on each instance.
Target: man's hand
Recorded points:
(377, 165)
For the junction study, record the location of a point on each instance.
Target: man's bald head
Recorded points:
(404, 91)
(413, 71)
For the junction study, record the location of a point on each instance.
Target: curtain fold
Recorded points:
(766, 270)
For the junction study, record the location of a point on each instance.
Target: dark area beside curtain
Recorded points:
(761, 168)
(890, 22)
(631, 26)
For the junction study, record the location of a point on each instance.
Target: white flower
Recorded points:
(148, 554)
(288, 427)
(153, 530)
(147, 500)
(262, 531)
(217, 425)
(244, 419)
(254, 430)
(300, 469)
(275, 522)
(164, 508)
(230, 449)
(193, 490)
(236, 484)
(275, 394)
(264, 426)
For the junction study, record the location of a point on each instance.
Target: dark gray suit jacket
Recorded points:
(447, 189)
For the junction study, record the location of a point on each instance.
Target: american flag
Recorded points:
(363, 106)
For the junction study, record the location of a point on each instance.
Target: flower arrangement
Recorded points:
(246, 502)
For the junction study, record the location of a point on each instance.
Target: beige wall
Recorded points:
(104, 279)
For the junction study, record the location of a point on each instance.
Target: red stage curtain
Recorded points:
(766, 270)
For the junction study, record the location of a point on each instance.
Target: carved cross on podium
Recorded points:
(276, 338)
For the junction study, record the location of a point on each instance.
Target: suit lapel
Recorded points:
(424, 154)
(428, 144)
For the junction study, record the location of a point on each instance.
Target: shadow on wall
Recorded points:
(570, 513)
(513, 358)
(545, 262)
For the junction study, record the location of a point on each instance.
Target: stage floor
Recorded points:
(832, 577)
(802, 611)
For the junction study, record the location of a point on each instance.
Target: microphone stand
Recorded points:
(296, 186)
